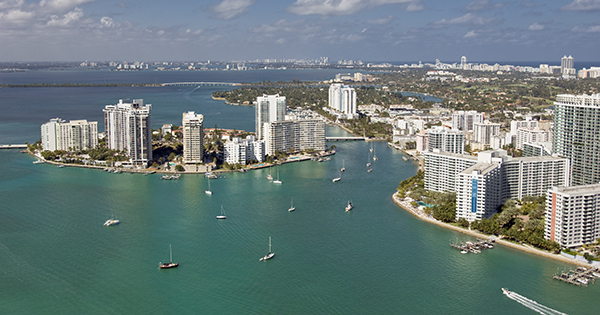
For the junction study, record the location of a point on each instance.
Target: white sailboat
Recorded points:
(292, 208)
(222, 215)
(374, 155)
(343, 166)
(270, 254)
(269, 177)
(170, 264)
(208, 192)
(277, 181)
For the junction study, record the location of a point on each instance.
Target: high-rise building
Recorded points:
(269, 108)
(532, 135)
(575, 135)
(74, 135)
(567, 63)
(446, 140)
(463, 62)
(128, 127)
(342, 98)
(294, 135)
(483, 132)
(573, 215)
(465, 120)
(193, 137)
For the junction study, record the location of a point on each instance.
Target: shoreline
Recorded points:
(423, 216)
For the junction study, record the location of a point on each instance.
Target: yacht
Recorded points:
(292, 208)
(111, 222)
(170, 264)
(222, 215)
(277, 181)
(208, 192)
(270, 254)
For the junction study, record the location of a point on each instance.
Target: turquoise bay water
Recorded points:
(57, 258)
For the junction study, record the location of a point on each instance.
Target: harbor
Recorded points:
(580, 277)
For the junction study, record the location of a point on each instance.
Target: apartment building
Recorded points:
(193, 137)
(75, 135)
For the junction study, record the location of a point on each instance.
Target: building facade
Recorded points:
(269, 108)
(573, 215)
(465, 120)
(193, 137)
(74, 135)
(576, 136)
(128, 128)
(483, 132)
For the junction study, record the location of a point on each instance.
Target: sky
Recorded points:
(367, 30)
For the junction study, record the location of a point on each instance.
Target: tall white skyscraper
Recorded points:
(193, 136)
(575, 135)
(342, 98)
(484, 132)
(74, 135)
(567, 63)
(464, 120)
(463, 62)
(128, 127)
(269, 108)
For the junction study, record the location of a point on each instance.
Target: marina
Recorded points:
(580, 277)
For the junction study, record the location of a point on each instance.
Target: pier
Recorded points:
(580, 276)
(13, 146)
(199, 84)
(473, 247)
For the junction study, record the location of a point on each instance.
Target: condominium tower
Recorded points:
(74, 135)
(269, 108)
(464, 120)
(193, 134)
(576, 136)
(342, 98)
(128, 127)
(573, 215)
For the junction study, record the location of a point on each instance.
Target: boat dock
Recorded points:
(473, 247)
(580, 276)
(13, 146)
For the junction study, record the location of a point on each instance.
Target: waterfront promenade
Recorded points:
(420, 213)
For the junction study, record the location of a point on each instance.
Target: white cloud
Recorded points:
(468, 19)
(536, 27)
(106, 21)
(483, 5)
(582, 5)
(470, 34)
(16, 17)
(66, 19)
(381, 21)
(280, 41)
(228, 9)
(11, 4)
(336, 7)
(415, 6)
(62, 5)
(591, 29)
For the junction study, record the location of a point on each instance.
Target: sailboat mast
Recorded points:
(269, 244)
(170, 254)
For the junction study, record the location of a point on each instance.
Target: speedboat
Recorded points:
(349, 206)
(337, 179)
(111, 222)
(505, 291)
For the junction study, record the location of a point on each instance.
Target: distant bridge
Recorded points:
(199, 84)
(345, 138)
(13, 146)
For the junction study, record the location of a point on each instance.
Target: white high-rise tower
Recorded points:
(193, 134)
(269, 108)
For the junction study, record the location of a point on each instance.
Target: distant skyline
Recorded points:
(372, 30)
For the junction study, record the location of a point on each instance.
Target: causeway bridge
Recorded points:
(13, 146)
(199, 84)
(345, 139)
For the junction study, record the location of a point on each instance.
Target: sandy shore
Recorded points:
(426, 217)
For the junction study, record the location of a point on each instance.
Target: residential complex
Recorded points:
(573, 215)
(74, 135)
(193, 137)
(342, 99)
(294, 135)
(269, 108)
(576, 125)
(485, 182)
(445, 140)
(128, 128)
(243, 150)
(483, 132)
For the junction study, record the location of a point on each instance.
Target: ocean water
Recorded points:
(56, 257)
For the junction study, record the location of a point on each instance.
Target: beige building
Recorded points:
(193, 138)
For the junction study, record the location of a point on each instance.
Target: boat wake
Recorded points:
(533, 305)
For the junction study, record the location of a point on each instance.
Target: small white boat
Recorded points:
(349, 206)
(111, 222)
(506, 292)
(222, 215)
(292, 208)
(269, 177)
(270, 254)
(170, 264)
(374, 157)
(38, 162)
(369, 170)
(337, 179)
(208, 192)
(463, 252)
(368, 164)
(343, 169)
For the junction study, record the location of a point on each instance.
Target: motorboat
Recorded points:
(111, 222)
(349, 206)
